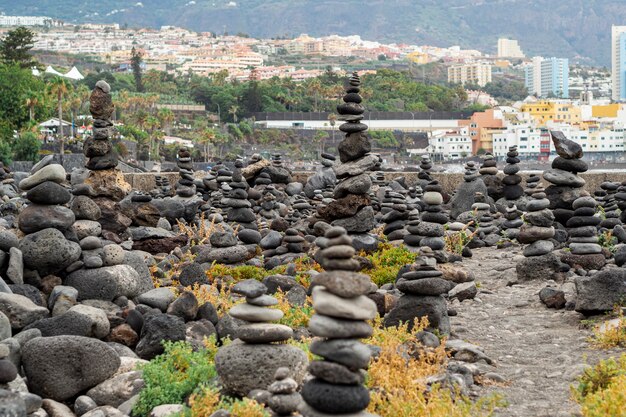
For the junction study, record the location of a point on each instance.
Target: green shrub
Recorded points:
(171, 377)
(599, 377)
(387, 261)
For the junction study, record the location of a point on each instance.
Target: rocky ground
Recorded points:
(538, 351)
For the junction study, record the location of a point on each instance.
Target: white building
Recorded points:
(528, 139)
(451, 144)
(509, 48)
(618, 62)
(27, 21)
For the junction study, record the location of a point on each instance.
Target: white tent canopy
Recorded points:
(54, 122)
(72, 74)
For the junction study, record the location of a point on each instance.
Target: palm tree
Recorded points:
(166, 117)
(207, 136)
(59, 88)
(33, 99)
(233, 111)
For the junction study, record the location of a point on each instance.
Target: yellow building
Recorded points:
(418, 57)
(544, 111)
(486, 137)
(609, 110)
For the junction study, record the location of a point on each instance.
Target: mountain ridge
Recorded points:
(576, 29)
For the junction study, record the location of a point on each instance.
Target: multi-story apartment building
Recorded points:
(546, 77)
(618, 62)
(479, 74)
(509, 48)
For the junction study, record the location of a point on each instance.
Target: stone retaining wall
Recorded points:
(449, 181)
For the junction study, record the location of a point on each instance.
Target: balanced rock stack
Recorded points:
(396, 213)
(104, 180)
(341, 313)
(513, 221)
(251, 361)
(423, 288)
(352, 208)
(539, 229)
(239, 208)
(609, 205)
(464, 197)
(512, 189)
(47, 224)
(540, 261)
(567, 186)
(413, 237)
(489, 166)
(585, 252)
(532, 182)
(424, 175)
(185, 187)
(489, 175)
(284, 400)
(98, 148)
(487, 230)
(433, 218)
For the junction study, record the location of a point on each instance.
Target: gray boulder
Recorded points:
(47, 251)
(60, 367)
(464, 197)
(105, 283)
(20, 310)
(600, 292)
(244, 367)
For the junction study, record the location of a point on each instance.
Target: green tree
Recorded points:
(26, 147)
(136, 59)
(16, 45)
(17, 85)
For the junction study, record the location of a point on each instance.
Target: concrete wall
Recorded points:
(449, 181)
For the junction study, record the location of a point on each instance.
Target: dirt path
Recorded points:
(539, 351)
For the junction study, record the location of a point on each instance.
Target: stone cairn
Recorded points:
(487, 230)
(185, 186)
(237, 206)
(98, 148)
(284, 400)
(489, 175)
(424, 175)
(352, 208)
(513, 221)
(433, 218)
(395, 215)
(423, 288)
(566, 185)
(252, 360)
(512, 190)
(341, 313)
(583, 235)
(609, 205)
(413, 237)
(489, 166)
(539, 229)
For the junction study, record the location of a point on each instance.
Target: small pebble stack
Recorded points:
(433, 218)
(261, 327)
(512, 190)
(539, 229)
(185, 187)
(284, 400)
(341, 313)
